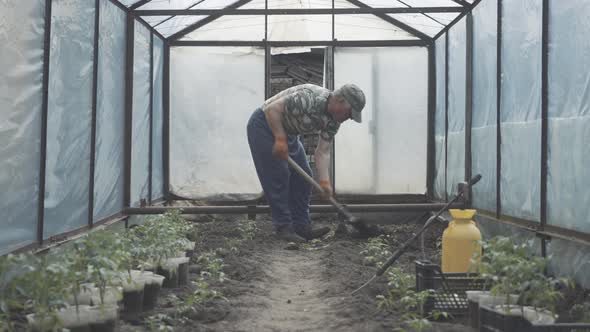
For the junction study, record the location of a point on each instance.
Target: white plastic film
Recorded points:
(456, 109)
(69, 116)
(157, 121)
(213, 92)
(484, 127)
(520, 113)
(568, 198)
(440, 120)
(110, 112)
(140, 138)
(387, 152)
(21, 65)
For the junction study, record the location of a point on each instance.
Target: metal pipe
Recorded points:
(298, 11)
(93, 121)
(544, 120)
(128, 107)
(151, 116)
(430, 156)
(44, 112)
(446, 112)
(313, 208)
(262, 43)
(166, 121)
(468, 103)
(498, 109)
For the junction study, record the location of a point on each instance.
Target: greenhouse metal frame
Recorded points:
(440, 177)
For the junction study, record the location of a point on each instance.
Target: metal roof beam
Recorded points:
(307, 11)
(138, 4)
(205, 21)
(395, 22)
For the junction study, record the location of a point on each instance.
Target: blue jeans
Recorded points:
(286, 191)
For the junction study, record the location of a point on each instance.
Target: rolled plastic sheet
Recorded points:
(213, 92)
(520, 113)
(387, 152)
(484, 116)
(440, 144)
(69, 116)
(140, 138)
(21, 99)
(568, 197)
(110, 113)
(157, 121)
(456, 109)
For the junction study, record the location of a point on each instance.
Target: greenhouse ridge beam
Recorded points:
(461, 2)
(339, 43)
(205, 21)
(305, 11)
(395, 22)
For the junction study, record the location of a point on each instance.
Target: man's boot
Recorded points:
(286, 233)
(308, 233)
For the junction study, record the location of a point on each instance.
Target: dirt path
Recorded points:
(269, 288)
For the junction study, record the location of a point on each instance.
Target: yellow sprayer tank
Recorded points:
(459, 242)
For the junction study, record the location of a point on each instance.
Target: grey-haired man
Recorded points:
(273, 135)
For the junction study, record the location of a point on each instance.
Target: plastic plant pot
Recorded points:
(104, 318)
(133, 295)
(72, 318)
(190, 249)
(170, 270)
(473, 301)
(151, 291)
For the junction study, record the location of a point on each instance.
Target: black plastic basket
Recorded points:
(493, 321)
(448, 289)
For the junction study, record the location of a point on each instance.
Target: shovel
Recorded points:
(358, 224)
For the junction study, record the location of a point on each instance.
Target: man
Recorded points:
(273, 136)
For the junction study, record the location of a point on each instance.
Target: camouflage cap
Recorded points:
(355, 97)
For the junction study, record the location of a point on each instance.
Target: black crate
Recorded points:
(493, 321)
(449, 289)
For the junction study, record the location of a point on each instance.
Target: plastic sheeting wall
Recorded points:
(157, 120)
(456, 107)
(440, 143)
(141, 115)
(387, 152)
(484, 127)
(69, 116)
(110, 112)
(21, 65)
(520, 113)
(213, 92)
(568, 197)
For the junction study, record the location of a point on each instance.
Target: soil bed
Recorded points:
(269, 288)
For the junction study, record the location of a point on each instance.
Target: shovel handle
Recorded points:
(316, 185)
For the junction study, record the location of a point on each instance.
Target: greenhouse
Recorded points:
(139, 195)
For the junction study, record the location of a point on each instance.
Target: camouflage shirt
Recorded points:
(306, 111)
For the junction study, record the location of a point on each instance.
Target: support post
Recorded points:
(166, 121)
(430, 155)
(446, 112)
(94, 110)
(544, 121)
(128, 106)
(151, 110)
(44, 113)
(498, 111)
(468, 105)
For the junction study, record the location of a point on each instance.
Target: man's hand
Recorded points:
(326, 189)
(280, 149)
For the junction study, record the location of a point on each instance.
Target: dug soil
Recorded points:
(269, 287)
